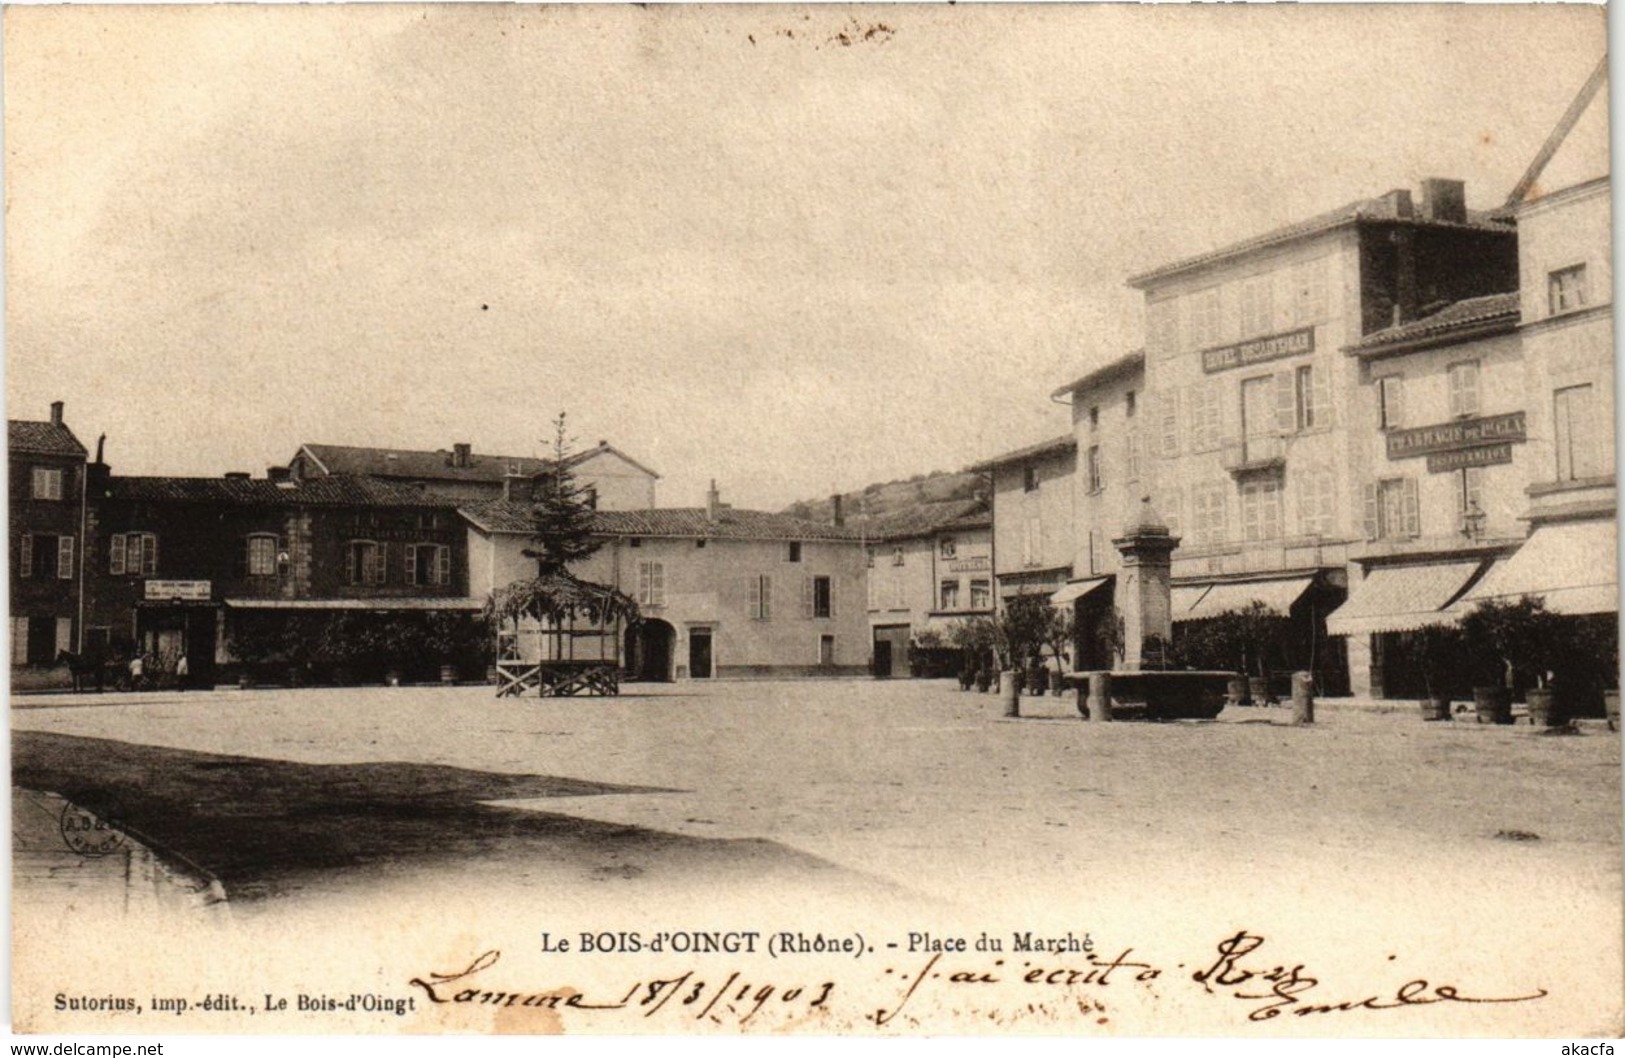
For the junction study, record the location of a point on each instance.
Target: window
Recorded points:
(133, 554)
(1092, 468)
(949, 593)
(897, 556)
(47, 557)
(794, 554)
(367, 563)
(947, 547)
(428, 520)
(1162, 327)
(1129, 405)
(1391, 402)
(590, 496)
(1309, 398)
(1392, 510)
(761, 597)
(635, 542)
(1131, 452)
(47, 483)
(1208, 515)
(1256, 307)
(981, 595)
(817, 598)
(1029, 479)
(1261, 509)
(1203, 402)
(428, 564)
(1170, 424)
(1202, 323)
(699, 544)
(262, 555)
(652, 583)
(1575, 434)
(1566, 289)
(1309, 292)
(1097, 552)
(1317, 503)
(1470, 499)
(826, 650)
(1463, 379)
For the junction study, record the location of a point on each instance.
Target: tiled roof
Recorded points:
(335, 491)
(927, 518)
(42, 438)
(1064, 443)
(1123, 365)
(1382, 208)
(1470, 315)
(437, 466)
(501, 516)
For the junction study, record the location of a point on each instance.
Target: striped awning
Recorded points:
(1574, 566)
(1077, 590)
(1224, 596)
(457, 604)
(1402, 598)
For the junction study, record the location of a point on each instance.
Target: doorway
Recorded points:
(649, 650)
(699, 653)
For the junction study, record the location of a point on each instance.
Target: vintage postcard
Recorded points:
(859, 520)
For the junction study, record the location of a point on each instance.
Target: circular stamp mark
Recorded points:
(89, 834)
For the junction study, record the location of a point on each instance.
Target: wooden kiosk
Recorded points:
(558, 636)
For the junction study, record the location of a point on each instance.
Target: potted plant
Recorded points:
(1259, 630)
(1059, 632)
(1515, 640)
(1439, 649)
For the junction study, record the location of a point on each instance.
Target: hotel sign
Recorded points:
(1484, 456)
(186, 590)
(1259, 350)
(1454, 436)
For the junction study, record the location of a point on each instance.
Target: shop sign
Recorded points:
(1483, 456)
(978, 564)
(1259, 350)
(185, 590)
(1453, 436)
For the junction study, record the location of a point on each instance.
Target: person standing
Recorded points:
(182, 672)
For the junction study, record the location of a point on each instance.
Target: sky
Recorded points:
(792, 249)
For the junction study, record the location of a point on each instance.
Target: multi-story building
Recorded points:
(1111, 426)
(614, 481)
(1261, 454)
(47, 466)
(1035, 531)
(929, 567)
(723, 592)
(176, 563)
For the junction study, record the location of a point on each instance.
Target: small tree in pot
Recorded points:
(1439, 650)
(1513, 644)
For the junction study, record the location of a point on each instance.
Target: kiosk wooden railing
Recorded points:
(559, 636)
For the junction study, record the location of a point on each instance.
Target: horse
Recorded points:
(82, 665)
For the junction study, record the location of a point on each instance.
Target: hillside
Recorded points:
(882, 502)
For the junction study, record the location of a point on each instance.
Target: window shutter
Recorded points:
(767, 597)
(149, 553)
(25, 560)
(1321, 392)
(1396, 401)
(19, 637)
(411, 563)
(806, 598)
(1170, 424)
(245, 558)
(442, 565)
(1371, 523)
(658, 583)
(115, 554)
(830, 581)
(64, 557)
(643, 583)
(64, 628)
(756, 597)
(1413, 512)
(380, 564)
(1286, 404)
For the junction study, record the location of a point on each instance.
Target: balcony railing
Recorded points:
(1253, 455)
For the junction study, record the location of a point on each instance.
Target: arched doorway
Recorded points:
(649, 649)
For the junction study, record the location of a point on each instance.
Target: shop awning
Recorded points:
(460, 605)
(1184, 597)
(1278, 595)
(1402, 598)
(1077, 590)
(1574, 566)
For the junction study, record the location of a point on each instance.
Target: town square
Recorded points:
(1091, 520)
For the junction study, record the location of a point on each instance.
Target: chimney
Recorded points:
(460, 453)
(278, 474)
(837, 517)
(1399, 204)
(101, 445)
(713, 502)
(1444, 200)
(56, 413)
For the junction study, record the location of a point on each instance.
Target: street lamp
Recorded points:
(1472, 521)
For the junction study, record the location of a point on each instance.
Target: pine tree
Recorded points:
(561, 512)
